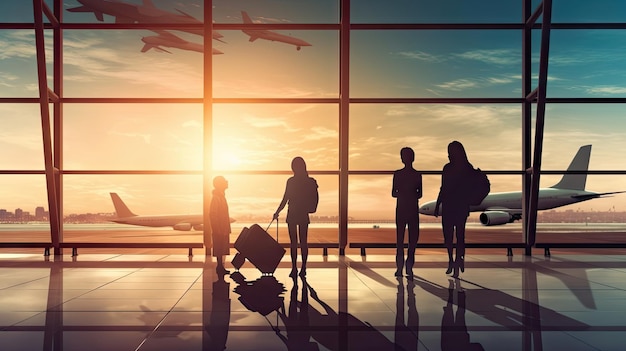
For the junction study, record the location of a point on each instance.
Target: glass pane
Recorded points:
(21, 137)
(587, 63)
(372, 211)
(111, 64)
(224, 11)
(491, 135)
(18, 76)
(588, 11)
(268, 136)
(430, 63)
(275, 11)
(570, 126)
(16, 11)
(133, 136)
(277, 69)
(161, 11)
(442, 11)
(24, 210)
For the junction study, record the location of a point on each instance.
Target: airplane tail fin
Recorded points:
(579, 163)
(246, 18)
(121, 210)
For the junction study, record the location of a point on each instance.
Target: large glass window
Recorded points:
(420, 75)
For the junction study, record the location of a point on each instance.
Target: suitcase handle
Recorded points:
(269, 225)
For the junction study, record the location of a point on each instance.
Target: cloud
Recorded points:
(603, 90)
(459, 84)
(18, 44)
(493, 56)
(488, 56)
(478, 82)
(420, 56)
(319, 133)
(268, 122)
(145, 137)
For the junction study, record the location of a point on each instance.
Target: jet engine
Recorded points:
(182, 226)
(198, 227)
(495, 218)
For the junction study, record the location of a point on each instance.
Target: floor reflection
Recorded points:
(169, 303)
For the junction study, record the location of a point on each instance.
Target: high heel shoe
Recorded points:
(450, 267)
(294, 273)
(462, 263)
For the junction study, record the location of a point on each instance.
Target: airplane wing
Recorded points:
(185, 14)
(150, 46)
(98, 15)
(590, 196)
(124, 20)
(253, 38)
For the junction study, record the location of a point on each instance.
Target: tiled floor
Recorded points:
(168, 302)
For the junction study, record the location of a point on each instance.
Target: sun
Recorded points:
(226, 160)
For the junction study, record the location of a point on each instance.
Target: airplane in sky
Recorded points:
(506, 207)
(255, 34)
(178, 222)
(167, 39)
(147, 12)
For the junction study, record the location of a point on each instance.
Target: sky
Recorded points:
(265, 137)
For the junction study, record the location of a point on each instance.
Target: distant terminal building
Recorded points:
(40, 214)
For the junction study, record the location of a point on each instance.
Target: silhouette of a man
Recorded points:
(407, 189)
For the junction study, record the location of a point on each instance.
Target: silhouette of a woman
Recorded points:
(455, 204)
(297, 195)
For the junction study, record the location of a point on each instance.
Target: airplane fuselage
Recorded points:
(273, 36)
(178, 222)
(548, 198)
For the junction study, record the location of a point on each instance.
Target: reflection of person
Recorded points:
(297, 322)
(298, 194)
(407, 189)
(455, 205)
(220, 223)
(220, 316)
(454, 335)
(406, 334)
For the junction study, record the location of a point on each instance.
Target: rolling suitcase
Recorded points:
(256, 245)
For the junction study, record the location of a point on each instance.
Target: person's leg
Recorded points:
(413, 238)
(304, 246)
(448, 233)
(293, 238)
(400, 225)
(460, 243)
(220, 269)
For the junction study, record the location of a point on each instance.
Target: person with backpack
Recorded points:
(302, 196)
(407, 189)
(455, 202)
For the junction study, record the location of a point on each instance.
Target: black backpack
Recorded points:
(313, 197)
(478, 187)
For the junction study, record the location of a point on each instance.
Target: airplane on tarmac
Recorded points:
(506, 207)
(255, 34)
(144, 13)
(178, 222)
(167, 39)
